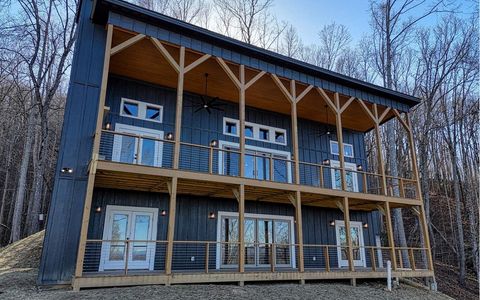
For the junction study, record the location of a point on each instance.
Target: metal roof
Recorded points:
(102, 8)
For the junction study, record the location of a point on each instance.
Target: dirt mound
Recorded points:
(23, 253)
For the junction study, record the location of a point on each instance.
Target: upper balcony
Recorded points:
(334, 113)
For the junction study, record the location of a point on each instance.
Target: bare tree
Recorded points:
(334, 38)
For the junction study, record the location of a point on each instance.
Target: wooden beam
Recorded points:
(197, 63)
(126, 44)
(391, 240)
(401, 120)
(292, 199)
(341, 150)
(340, 205)
(347, 104)
(299, 229)
(304, 93)
(96, 146)
(236, 193)
(179, 108)
(166, 54)
(415, 211)
(327, 99)
(171, 226)
(254, 79)
(241, 229)
(229, 72)
(367, 110)
(383, 115)
(378, 141)
(346, 213)
(169, 187)
(241, 114)
(282, 88)
(381, 209)
(294, 120)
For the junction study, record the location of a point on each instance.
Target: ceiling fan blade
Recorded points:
(217, 108)
(208, 109)
(198, 109)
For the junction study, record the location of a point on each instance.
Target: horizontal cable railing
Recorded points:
(137, 257)
(158, 151)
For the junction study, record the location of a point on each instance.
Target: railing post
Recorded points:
(320, 176)
(402, 188)
(400, 258)
(327, 259)
(372, 259)
(272, 259)
(207, 254)
(127, 253)
(210, 160)
(365, 186)
(271, 169)
(137, 150)
(412, 259)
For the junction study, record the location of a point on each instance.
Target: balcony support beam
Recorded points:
(93, 163)
(171, 224)
(299, 229)
(391, 240)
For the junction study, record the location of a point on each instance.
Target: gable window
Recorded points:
(347, 149)
(254, 131)
(141, 110)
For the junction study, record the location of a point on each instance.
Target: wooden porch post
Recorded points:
(294, 119)
(299, 229)
(241, 115)
(179, 107)
(241, 229)
(171, 224)
(422, 216)
(378, 141)
(93, 162)
(391, 240)
(346, 213)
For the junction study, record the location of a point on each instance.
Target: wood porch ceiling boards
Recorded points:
(143, 61)
(158, 184)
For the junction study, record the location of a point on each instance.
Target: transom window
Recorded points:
(141, 110)
(255, 131)
(347, 149)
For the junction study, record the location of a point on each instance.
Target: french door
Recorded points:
(356, 233)
(135, 224)
(132, 150)
(350, 176)
(261, 231)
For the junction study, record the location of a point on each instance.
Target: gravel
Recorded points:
(20, 284)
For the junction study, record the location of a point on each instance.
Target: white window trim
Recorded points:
(344, 263)
(142, 110)
(222, 144)
(256, 131)
(150, 247)
(117, 141)
(222, 214)
(344, 145)
(348, 166)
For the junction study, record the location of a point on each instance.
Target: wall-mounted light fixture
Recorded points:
(108, 126)
(365, 225)
(332, 223)
(40, 217)
(163, 213)
(359, 168)
(169, 136)
(67, 170)
(326, 162)
(98, 209)
(213, 143)
(211, 215)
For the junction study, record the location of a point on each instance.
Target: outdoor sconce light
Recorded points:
(211, 215)
(213, 143)
(365, 225)
(67, 170)
(332, 223)
(98, 209)
(40, 217)
(163, 213)
(326, 162)
(169, 136)
(359, 168)
(108, 126)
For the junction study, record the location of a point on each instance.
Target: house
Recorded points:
(189, 157)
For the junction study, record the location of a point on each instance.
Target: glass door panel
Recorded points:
(118, 233)
(141, 229)
(250, 242)
(264, 239)
(128, 152)
(282, 241)
(358, 250)
(229, 246)
(250, 171)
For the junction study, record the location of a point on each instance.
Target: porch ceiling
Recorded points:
(158, 184)
(142, 61)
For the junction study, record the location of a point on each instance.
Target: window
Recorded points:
(260, 232)
(350, 177)
(347, 149)
(258, 162)
(255, 131)
(356, 233)
(141, 110)
(263, 134)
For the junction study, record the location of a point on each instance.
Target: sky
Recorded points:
(309, 16)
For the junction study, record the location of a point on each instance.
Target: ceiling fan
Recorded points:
(327, 130)
(207, 103)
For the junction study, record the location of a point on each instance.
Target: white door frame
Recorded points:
(131, 211)
(222, 144)
(344, 263)
(222, 214)
(348, 166)
(142, 131)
